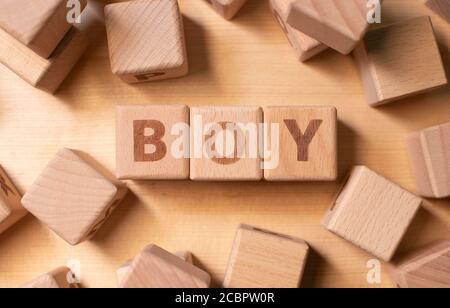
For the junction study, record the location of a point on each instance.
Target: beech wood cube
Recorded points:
(56, 279)
(227, 8)
(440, 7)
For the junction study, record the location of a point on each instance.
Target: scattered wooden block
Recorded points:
(146, 142)
(11, 210)
(263, 259)
(372, 213)
(156, 268)
(72, 198)
(440, 7)
(225, 143)
(387, 58)
(337, 24)
(429, 151)
(146, 40)
(428, 268)
(307, 144)
(227, 8)
(56, 279)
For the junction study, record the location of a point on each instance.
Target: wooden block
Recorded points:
(429, 151)
(336, 23)
(305, 47)
(72, 197)
(146, 40)
(156, 268)
(146, 145)
(427, 268)
(39, 25)
(227, 8)
(387, 58)
(440, 7)
(372, 213)
(11, 210)
(45, 74)
(263, 259)
(225, 143)
(56, 279)
(307, 143)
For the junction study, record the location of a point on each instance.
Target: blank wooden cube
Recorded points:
(372, 213)
(146, 140)
(11, 210)
(307, 143)
(156, 268)
(227, 8)
(388, 61)
(429, 151)
(73, 198)
(441, 7)
(56, 279)
(146, 40)
(225, 143)
(305, 46)
(263, 259)
(338, 24)
(427, 268)
(45, 74)
(39, 25)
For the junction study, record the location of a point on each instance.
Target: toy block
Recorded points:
(72, 197)
(227, 8)
(11, 210)
(440, 7)
(156, 268)
(146, 40)
(56, 279)
(147, 142)
(371, 212)
(305, 47)
(45, 74)
(225, 143)
(263, 259)
(387, 59)
(307, 143)
(337, 24)
(429, 152)
(427, 268)
(38, 25)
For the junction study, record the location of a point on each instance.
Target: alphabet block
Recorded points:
(305, 46)
(263, 259)
(372, 213)
(338, 24)
(72, 198)
(225, 143)
(227, 8)
(429, 151)
(387, 58)
(39, 25)
(156, 268)
(307, 144)
(146, 40)
(152, 142)
(56, 279)
(11, 210)
(440, 7)
(428, 268)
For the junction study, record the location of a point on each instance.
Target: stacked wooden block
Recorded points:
(59, 278)
(11, 209)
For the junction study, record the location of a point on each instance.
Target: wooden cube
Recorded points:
(307, 142)
(387, 58)
(372, 213)
(227, 8)
(56, 279)
(440, 7)
(11, 210)
(429, 151)
(338, 24)
(45, 74)
(263, 259)
(427, 268)
(147, 146)
(146, 40)
(156, 268)
(305, 46)
(225, 143)
(73, 198)
(39, 25)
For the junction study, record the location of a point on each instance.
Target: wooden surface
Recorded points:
(246, 61)
(441, 7)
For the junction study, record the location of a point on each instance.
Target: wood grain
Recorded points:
(56, 279)
(227, 8)
(11, 209)
(440, 7)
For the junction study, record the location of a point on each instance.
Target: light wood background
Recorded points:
(244, 62)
